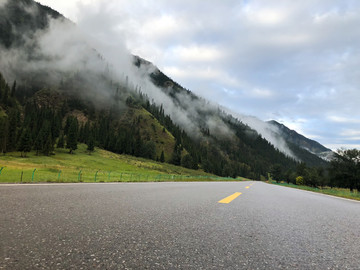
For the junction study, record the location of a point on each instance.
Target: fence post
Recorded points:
(96, 175)
(79, 176)
(22, 172)
(33, 174)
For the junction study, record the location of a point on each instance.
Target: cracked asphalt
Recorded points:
(175, 226)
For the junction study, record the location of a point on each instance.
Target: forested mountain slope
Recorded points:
(56, 90)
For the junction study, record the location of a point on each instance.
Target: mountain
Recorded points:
(55, 86)
(291, 136)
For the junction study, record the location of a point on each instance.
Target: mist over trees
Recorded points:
(62, 95)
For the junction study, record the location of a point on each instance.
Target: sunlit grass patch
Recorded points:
(99, 166)
(339, 192)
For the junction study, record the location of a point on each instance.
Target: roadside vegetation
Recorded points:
(343, 172)
(97, 166)
(339, 192)
(342, 177)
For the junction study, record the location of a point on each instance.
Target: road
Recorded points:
(176, 226)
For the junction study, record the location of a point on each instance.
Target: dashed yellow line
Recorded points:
(230, 198)
(247, 187)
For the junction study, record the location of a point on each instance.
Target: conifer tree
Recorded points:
(38, 144)
(3, 134)
(187, 161)
(61, 141)
(48, 145)
(56, 126)
(24, 143)
(72, 136)
(12, 130)
(5, 95)
(91, 143)
(162, 157)
(42, 137)
(176, 155)
(13, 89)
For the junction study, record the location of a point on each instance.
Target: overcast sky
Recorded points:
(297, 62)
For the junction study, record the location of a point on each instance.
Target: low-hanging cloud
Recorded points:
(267, 131)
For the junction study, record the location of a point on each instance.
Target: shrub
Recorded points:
(300, 180)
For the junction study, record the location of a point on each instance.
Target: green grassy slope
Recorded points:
(100, 166)
(151, 129)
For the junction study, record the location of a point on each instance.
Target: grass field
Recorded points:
(339, 192)
(100, 166)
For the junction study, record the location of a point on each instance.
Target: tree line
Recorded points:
(28, 126)
(342, 172)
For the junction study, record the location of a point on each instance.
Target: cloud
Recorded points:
(265, 16)
(3, 3)
(267, 131)
(197, 53)
(340, 119)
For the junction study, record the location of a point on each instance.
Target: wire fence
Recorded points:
(34, 175)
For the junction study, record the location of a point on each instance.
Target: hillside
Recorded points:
(57, 93)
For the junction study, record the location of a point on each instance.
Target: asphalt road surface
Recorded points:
(176, 226)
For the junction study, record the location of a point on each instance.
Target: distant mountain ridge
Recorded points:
(295, 138)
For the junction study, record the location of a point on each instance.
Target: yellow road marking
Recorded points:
(247, 187)
(230, 198)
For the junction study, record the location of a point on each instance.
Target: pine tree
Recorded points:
(3, 134)
(12, 131)
(25, 142)
(187, 161)
(162, 157)
(6, 95)
(13, 89)
(42, 136)
(72, 136)
(176, 155)
(61, 141)
(86, 133)
(91, 144)
(38, 144)
(56, 126)
(48, 145)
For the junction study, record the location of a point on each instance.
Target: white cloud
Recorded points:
(351, 133)
(3, 3)
(160, 27)
(262, 93)
(336, 146)
(344, 120)
(265, 16)
(205, 73)
(197, 53)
